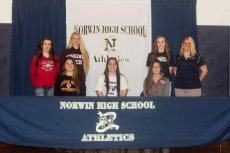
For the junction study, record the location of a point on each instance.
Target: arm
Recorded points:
(167, 91)
(124, 86)
(174, 70)
(99, 93)
(99, 86)
(204, 72)
(123, 92)
(174, 65)
(171, 63)
(149, 59)
(170, 69)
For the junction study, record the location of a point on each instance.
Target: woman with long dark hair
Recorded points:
(112, 82)
(44, 68)
(156, 84)
(66, 83)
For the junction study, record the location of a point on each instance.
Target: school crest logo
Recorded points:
(109, 44)
(106, 122)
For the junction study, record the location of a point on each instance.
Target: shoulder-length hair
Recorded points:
(83, 50)
(75, 72)
(39, 53)
(106, 73)
(149, 78)
(166, 49)
(193, 47)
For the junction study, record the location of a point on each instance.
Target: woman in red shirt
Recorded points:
(44, 68)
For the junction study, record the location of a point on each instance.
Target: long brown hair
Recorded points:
(39, 53)
(75, 72)
(149, 78)
(106, 73)
(166, 49)
(83, 50)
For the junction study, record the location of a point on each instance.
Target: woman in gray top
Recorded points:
(156, 84)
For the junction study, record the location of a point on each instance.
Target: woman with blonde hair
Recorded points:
(78, 52)
(189, 69)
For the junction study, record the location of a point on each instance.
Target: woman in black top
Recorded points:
(76, 49)
(189, 69)
(161, 52)
(66, 83)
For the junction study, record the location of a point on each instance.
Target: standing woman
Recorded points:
(112, 82)
(44, 68)
(156, 84)
(78, 52)
(189, 69)
(161, 51)
(66, 83)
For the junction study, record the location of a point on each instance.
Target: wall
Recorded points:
(213, 19)
(5, 11)
(5, 29)
(213, 12)
(214, 43)
(209, 12)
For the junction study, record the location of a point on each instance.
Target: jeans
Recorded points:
(44, 91)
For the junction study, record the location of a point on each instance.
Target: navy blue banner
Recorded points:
(107, 122)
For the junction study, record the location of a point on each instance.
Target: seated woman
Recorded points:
(66, 83)
(156, 84)
(112, 82)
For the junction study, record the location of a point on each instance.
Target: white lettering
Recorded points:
(107, 105)
(76, 105)
(138, 105)
(108, 137)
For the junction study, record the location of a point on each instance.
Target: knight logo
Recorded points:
(109, 44)
(106, 122)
